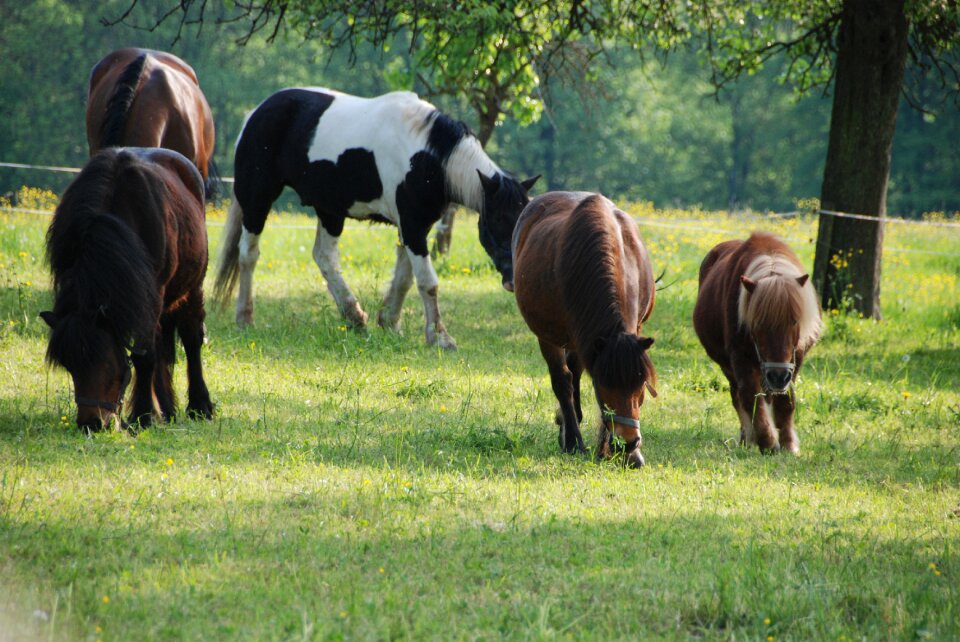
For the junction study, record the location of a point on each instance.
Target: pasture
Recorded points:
(363, 486)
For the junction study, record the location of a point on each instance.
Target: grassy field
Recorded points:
(363, 486)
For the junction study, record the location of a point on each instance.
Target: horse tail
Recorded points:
(622, 363)
(111, 132)
(213, 186)
(228, 271)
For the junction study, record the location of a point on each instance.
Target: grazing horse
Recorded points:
(584, 285)
(394, 159)
(146, 98)
(757, 316)
(128, 250)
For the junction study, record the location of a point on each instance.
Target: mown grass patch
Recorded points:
(359, 485)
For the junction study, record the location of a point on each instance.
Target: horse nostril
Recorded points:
(778, 379)
(635, 459)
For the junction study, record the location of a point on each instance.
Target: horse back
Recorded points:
(167, 108)
(159, 194)
(549, 261)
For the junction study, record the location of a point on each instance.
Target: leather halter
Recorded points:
(629, 446)
(109, 406)
(789, 366)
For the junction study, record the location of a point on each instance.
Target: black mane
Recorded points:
(102, 275)
(111, 131)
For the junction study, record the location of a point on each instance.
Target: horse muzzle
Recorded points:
(777, 380)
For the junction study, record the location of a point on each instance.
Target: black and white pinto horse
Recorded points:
(393, 158)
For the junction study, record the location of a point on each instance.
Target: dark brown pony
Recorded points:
(584, 285)
(146, 98)
(757, 316)
(128, 250)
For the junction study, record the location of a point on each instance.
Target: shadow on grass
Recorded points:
(372, 564)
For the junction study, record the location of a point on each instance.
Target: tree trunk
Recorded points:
(871, 54)
(444, 234)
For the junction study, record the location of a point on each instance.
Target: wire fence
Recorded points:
(693, 225)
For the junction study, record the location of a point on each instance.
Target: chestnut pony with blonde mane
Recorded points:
(584, 285)
(757, 316)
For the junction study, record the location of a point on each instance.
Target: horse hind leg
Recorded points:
(326, 254)
(249, 254)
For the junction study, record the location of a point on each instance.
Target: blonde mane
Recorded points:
(779, 300)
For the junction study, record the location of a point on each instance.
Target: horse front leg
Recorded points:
(757, 404)
(326, 254)
(576, 370)
(783, 409)
(389, 315)
(746, 422)
(561, 379)
(428, 284)
(163, 371)
(192, 332)
(144, 363)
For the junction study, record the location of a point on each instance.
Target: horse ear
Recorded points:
(749, 284)
(645, 343)
(527, 184)
(50, 318)
(490, 184)
(802, 280)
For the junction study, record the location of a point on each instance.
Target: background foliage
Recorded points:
(630, 127)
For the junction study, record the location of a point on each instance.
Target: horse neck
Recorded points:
(592, 289)
(463, 183)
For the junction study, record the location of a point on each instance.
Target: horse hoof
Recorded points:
(391, 325)
(356, 318)
(444, 341)
(201, 411)
(635, 459)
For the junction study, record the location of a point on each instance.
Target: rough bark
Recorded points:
(871, 55)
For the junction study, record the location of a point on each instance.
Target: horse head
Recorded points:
(504, 198)
(622, 375)
(96, 361)
(774, 315)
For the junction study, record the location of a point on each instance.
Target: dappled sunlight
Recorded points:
(353, 466)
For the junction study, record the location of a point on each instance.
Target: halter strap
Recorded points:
(629, 421)
(109, 406)
(767, 365)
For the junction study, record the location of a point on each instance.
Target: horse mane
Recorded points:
(102, 274)
(779, 300)
(115, 120)
(592, 292)
(461, 155)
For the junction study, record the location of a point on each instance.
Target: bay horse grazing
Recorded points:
(128, 250)
(584, 285)
(393, 158)
(757, 316)
(146, 98)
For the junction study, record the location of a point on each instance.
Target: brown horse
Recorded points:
(146, 98)
(128, 250)
(584, 285)
(757, 316)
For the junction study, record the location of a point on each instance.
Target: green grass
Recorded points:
(364, 486)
